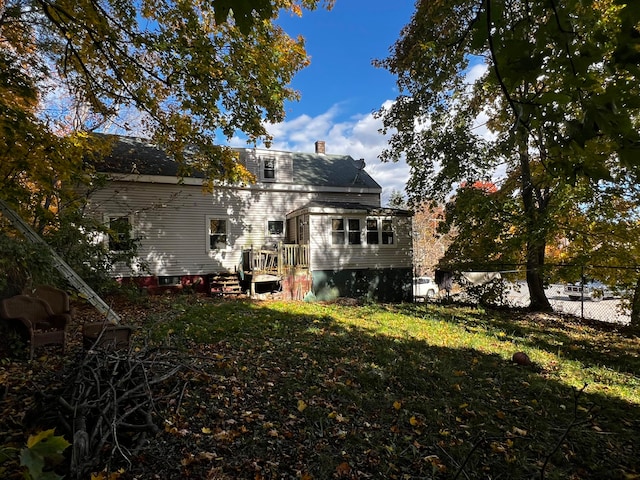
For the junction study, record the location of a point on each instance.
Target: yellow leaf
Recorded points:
(34, 439)
(397, 405)
(497, 447)
(463, 406)
(519, 431)
(413, 421)
(206, 430)
(302, 406)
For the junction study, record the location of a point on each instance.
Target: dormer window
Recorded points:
(269, 169)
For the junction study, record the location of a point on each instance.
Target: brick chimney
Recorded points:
(320, 148)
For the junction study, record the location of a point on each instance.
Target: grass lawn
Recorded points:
(412, 391)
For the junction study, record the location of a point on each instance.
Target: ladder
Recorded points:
(63, 267)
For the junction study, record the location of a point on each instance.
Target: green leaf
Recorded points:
(42, 448)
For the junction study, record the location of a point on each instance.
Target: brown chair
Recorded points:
(43, 326)
(57, 299)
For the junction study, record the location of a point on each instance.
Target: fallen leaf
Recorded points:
(343, 469)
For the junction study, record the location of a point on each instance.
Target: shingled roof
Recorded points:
(136, 155)
(140, 156)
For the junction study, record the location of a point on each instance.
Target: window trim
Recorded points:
(227, 246)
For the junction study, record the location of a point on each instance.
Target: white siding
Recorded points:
(325, 256)
(171, 222)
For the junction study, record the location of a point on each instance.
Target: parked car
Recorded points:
(424, 288)
(593, 290)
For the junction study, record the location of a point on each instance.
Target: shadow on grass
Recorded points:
(302, 392)
(588, 342)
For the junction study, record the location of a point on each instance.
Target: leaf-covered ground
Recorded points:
(320, 391)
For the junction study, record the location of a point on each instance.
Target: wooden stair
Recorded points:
(224, 284)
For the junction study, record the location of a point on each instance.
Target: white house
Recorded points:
(315, 213)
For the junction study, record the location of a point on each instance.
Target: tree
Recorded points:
(560, 95)
(429, 242)
(194, 72)
(397, 200)
(189, 73)
(601, 226)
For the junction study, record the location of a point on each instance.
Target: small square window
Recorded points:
(275, 227)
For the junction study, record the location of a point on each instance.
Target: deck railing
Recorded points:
(294, 255)
(275, 262)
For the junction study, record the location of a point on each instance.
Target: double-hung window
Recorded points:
(354, 237)
(119, 233)
(373, 232)
(218, 233)
(380, 231)
(268, 169)
(345, 231)
(387, 232)
(337, 231)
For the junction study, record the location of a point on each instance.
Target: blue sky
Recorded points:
(341, 88)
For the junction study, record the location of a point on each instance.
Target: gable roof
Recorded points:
(330, 170)
(130, 155)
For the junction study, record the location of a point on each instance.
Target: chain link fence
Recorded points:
(593, 292)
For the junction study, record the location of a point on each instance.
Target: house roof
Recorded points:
(137, 156)
(330, 170)
(131, 155)
(318, 206)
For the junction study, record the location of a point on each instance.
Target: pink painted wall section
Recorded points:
(296, 285)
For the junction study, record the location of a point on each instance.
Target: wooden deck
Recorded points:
(267, 265)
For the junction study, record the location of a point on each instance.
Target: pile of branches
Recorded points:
(108, 403)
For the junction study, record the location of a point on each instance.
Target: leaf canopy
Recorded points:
(193, 71)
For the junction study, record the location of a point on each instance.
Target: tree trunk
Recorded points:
(534, 212)
(635, 306)
(535, 278)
